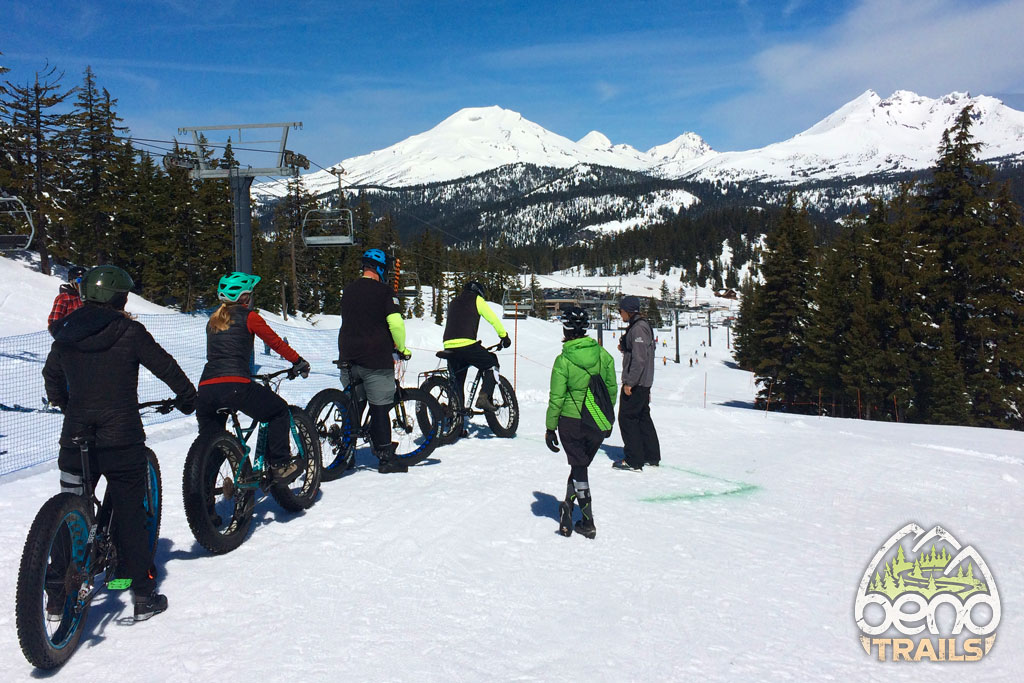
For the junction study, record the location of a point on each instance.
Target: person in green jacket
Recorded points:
(581, 358)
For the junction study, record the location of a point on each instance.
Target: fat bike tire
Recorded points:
(453, 419)
(505, 420)
(301, 493)
(218, 512)
(331, 412)
(51, 569)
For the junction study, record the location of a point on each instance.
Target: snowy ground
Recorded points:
(737, 560)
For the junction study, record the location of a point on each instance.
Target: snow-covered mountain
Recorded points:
(474, 140)
(866, 136)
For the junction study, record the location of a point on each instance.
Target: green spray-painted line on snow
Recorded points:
(742, 488)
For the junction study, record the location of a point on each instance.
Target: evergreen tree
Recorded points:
(782, 305)
(37, 167)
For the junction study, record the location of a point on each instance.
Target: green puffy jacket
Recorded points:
(580, 358)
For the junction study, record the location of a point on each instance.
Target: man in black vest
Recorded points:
(639, 439)
(464, 349)
(372, 329)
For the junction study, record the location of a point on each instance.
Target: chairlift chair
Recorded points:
(516, 303)
(328, 228)
(24, 230)
(408, 285)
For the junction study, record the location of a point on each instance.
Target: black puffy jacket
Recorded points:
(92, 374)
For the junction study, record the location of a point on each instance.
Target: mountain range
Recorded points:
(867, 136)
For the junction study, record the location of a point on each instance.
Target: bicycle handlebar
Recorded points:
(272, 375)
(163, 406)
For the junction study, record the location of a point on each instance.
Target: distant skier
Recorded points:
(581, 358)
(68, 300)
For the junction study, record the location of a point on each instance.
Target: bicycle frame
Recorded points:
(259, 465)
(466, 407)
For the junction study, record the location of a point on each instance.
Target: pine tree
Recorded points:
(102, 166)
(37, 168)
(783, 304)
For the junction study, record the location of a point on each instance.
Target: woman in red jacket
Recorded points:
(226, 381)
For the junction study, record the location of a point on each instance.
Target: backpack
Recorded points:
(598, 412)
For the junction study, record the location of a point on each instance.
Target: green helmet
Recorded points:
(234, 285)
(103, 283)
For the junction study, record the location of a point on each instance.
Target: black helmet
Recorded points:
(103, 283)
(575, 319)
(476, 288)
(75, 273)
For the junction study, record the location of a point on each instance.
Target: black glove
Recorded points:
(551, 439)
(186, 403)
(299, 367)
(405, 355)
(505, 342)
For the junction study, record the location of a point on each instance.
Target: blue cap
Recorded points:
(630, 304)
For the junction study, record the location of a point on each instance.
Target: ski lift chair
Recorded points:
(516, 304)
(14, 211)
(410, 282)
(328, 228)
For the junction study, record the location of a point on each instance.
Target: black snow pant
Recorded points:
(125, 469)
(639, 438)
(256, 401)
(580, 448)
(459, 361)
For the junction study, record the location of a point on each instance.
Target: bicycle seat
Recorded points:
(225, 411)
(444, 354)
(87, 436)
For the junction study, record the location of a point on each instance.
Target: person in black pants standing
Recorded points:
(639, 438)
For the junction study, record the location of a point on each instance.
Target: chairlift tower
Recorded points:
(240, 179)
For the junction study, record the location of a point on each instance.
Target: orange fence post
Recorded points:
(895, 409)
(768, 402)
(819, 401)
(858, 405)
(515, 349)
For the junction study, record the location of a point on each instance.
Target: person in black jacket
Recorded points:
(92, 375)
(640, 445)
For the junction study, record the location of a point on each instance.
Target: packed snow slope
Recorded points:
(867, 135)
(737, 560)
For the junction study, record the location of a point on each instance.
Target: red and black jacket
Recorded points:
(229, 352)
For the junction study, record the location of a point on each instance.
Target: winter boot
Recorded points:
(388, 463)
(149, 605)
(486, 403)
(585, 527)
(285, 472)
(565, 510)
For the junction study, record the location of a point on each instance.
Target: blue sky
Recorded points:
(364, 75)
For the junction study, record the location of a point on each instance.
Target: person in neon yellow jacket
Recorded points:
(464, 350)
(372, 328)
(581, 358)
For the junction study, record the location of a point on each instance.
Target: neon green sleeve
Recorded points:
(487, 314)
(397, 326)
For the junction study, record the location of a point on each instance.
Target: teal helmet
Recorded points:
(376, 260)
(104, 283)
(234, 285)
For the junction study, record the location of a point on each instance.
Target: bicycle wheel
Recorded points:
(505, 421)
(153, 502)
(218, 512)
(415, 423)
(49, 620)
(331, 414)
(452, 418)
(300, 494)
